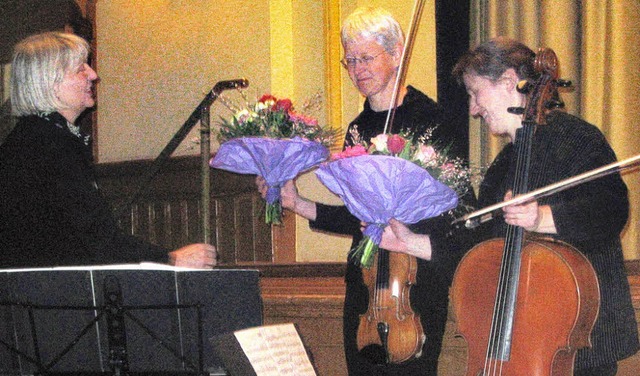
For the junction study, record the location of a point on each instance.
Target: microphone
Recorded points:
(240, 83)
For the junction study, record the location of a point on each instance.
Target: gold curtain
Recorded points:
(598, 44)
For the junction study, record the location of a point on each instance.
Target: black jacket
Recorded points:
(52, 212)
(590, 217)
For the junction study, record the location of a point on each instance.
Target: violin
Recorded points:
(390, 326)
(524, 304)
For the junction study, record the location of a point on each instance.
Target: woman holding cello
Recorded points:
(588, 217)
(373, 43)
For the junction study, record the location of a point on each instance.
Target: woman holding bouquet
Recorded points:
(589, 217)
(373, 43)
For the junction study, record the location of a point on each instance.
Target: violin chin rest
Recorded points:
(374, 354)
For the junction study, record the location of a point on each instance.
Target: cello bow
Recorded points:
(474, 219)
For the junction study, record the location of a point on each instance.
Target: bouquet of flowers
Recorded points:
(269, 138)
(393, 178)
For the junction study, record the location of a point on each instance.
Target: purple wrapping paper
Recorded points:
(376, 188)
(276, 160)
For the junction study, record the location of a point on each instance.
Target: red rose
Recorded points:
(395, 144)
(267, 97)
(283, 104)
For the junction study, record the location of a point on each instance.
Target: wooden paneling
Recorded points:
(167, 212)
(314, 304)
(311, 296)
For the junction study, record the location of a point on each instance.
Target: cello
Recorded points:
(390, 326)
(525, 304)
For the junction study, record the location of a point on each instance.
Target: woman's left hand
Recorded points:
(394, 237)
(525, 215)
(199, 256)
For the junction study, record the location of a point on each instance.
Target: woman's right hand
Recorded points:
(288, 192)
(290, 199)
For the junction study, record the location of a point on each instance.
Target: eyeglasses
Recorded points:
(351, 62)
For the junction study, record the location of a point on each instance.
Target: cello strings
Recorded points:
(497, 345)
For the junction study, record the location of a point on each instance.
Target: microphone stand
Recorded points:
(200, 113)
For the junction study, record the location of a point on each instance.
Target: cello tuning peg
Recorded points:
(563, 83)
(524, 87)
(554, 103)
(516, 110)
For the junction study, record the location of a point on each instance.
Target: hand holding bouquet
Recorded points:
(272, 140)
(393, 178)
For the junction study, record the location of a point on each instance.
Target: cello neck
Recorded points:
(499, 345)
(538, 94)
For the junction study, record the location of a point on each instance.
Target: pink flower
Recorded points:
(449, 167)
(350, 151)
(425, 153)
(395, 144)
(301, 118)
(448, 170)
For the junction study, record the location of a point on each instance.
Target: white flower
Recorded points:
(244, 115)
(380, 142)
(263, 105)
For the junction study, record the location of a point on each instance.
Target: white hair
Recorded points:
(39, 64)
(372, 23)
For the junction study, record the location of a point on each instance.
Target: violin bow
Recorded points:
(404, 62)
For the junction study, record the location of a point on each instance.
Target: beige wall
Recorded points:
(158, 58)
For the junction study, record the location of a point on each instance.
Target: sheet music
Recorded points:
(275, 350)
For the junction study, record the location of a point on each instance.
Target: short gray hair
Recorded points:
(372, 23)
(39, 63)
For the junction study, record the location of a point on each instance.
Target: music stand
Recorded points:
(124, 319)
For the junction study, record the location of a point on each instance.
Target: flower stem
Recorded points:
(273, 213)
